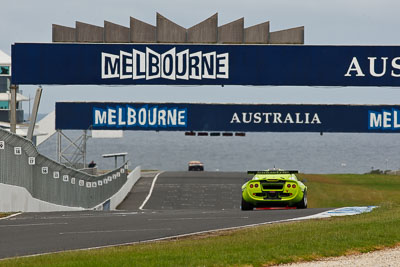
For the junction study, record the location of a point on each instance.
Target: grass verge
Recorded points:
(340, 190)
(269, 244)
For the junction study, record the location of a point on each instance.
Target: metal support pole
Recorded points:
(84, 148)
(116, 163)
(59, 146)
(34, 113)
(13, 108)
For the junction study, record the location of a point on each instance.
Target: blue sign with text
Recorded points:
(194, 64)
(227, 117)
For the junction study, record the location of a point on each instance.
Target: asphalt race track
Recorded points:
(197, 190)
(181, 203)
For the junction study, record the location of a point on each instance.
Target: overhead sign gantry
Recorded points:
(204, 54)
(227, 117)
(207, 54)
(173, 64)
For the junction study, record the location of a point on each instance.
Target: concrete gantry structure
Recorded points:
(142, 32)
(231, 33)
(167, 31)
(257, 34)
(289, 36)
(204, 32)
(63, 34)
(87, 33)
(114, 33)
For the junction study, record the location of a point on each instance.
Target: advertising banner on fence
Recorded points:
(193, 64)
(227, 117)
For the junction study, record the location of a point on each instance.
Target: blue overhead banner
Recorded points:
(175, 64)
(227, 117)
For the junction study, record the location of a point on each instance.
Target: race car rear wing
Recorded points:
(271, 172)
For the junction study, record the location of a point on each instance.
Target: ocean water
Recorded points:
(306, 152)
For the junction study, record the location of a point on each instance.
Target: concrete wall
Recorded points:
(289, 36)
(169, 32)
(15, 198)
(114, 33)
(51, 181)
(142, 32)
(257, 34)
(89, 33)
(117, 199)
(166, 31)
(204, 32)
(231, 32)
(63, 34)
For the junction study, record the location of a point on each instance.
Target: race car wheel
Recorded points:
(246, 205)
(303, 203)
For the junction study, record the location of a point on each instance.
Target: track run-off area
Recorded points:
(160, 206)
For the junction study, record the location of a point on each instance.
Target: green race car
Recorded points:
(274, 188)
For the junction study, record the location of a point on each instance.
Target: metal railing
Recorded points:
(47, 180)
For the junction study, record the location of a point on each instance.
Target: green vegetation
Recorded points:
(339, 190)
(269, 244)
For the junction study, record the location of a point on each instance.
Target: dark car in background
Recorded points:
(195, 166)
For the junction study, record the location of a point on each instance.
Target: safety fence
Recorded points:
(47, 180)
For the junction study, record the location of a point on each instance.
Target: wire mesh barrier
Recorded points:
(47, 180)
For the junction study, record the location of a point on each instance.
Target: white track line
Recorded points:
(196, 218)
(166, 238)
(177, 236)
(29, 224)
(116, 231)
(10, 216)
(169, 237)
(150, 192)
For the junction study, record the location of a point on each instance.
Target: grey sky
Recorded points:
(360, 22)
